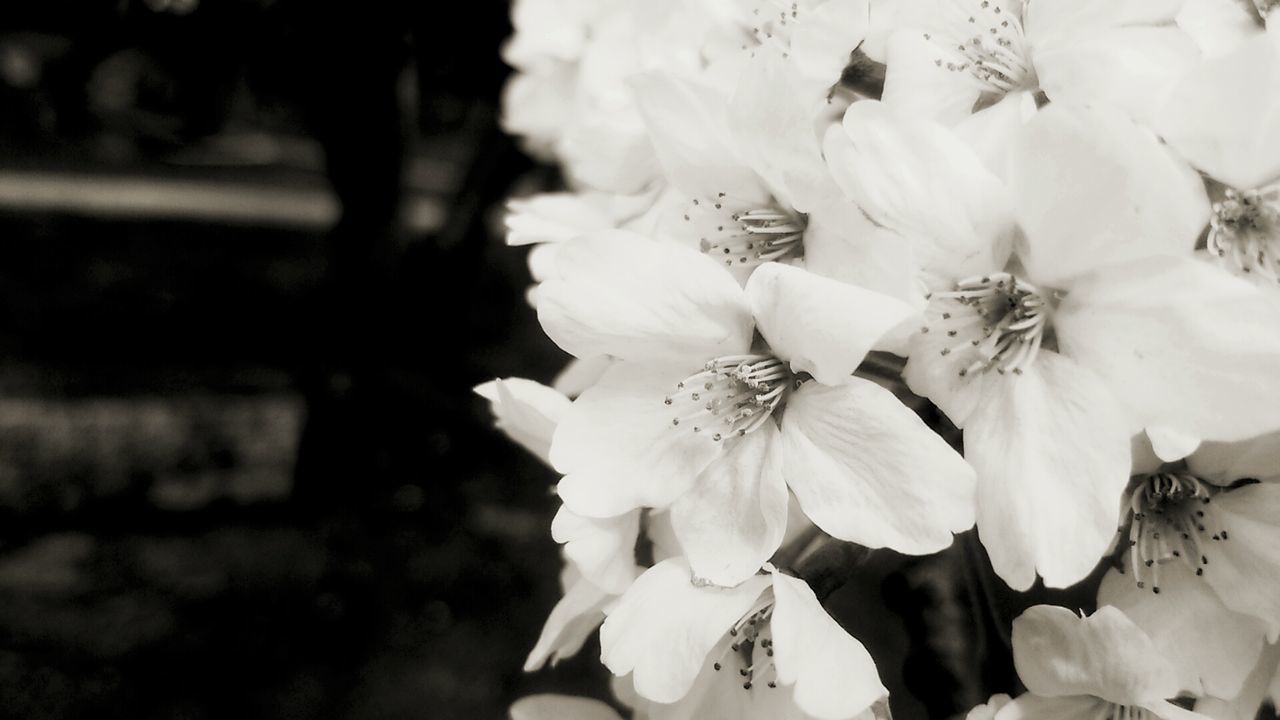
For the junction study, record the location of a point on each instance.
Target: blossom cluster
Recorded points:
(882, 272)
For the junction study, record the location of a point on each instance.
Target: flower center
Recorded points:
(1244, 231)
(991, 47)
(1170, 522)
(751, 646)
(746, 236)
(998, 321)
(731, 396)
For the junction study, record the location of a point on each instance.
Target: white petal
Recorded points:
(1043, 504)
(822, 42)
(570, 623)
(1170, 444)
(1218, 26)
(1224, 463)
(1179, 344)
(733, 519)
(1245, 568)
(1092, 188)
(619, 450)
(618, 293)
(821, 326)
(1071, 16)
(689, 125)
(664, 626)
(1104, 655)
(988, 130)
(526, 411)
(843, 244)
(1210, 647)
(919, 180)
(833, 674)
(773, 120)
(1166, 710)
(561, 707)
(1070, 707)
(915, 85)
(603, 549)
(988, 710)
(868, 470)
(1223, 115)
(580, 374)
(1131, 68)
(557, 217)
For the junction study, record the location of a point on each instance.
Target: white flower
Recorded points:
(1103, 326)
(761, 641)
(1201, 570)
(957, 56)
(1101, 666)
(689, 416)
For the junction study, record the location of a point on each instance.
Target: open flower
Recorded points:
(953, 57)
(1222, 117)
(1199, 567)
(764, 641)
(699, 416)
(1101, 666)
(1101, 325)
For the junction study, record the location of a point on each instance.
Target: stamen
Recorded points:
(1170, 522)
(998, 321)
(752, 646)
(732, 395)
(990, 46)
(1244, 232)
(746, 237)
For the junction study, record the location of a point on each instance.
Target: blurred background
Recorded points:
(248, 275)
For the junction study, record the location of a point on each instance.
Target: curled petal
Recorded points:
(526, 411)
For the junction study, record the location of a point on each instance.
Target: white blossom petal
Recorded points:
(821, 326)
(1105, 655)
(664, 626)
(1224, 463)
(866, 469)
(1044, 503)
(1179, 344)
(570, 623)
(1245, 568)
(621, 294)
(1212, 649)
(1223, 115)
(603, 549)
(734, 518)
(916, 178)
(1069, 707)
(526, 411)
(1093, 188)
(833, 674)
(619, 450)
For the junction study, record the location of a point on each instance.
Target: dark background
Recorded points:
(248, 275)
(250, 267)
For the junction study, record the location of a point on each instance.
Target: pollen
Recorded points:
(731, 396)
(997, 322)
(1244, 232)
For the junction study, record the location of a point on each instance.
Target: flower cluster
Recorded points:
(885, 271)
